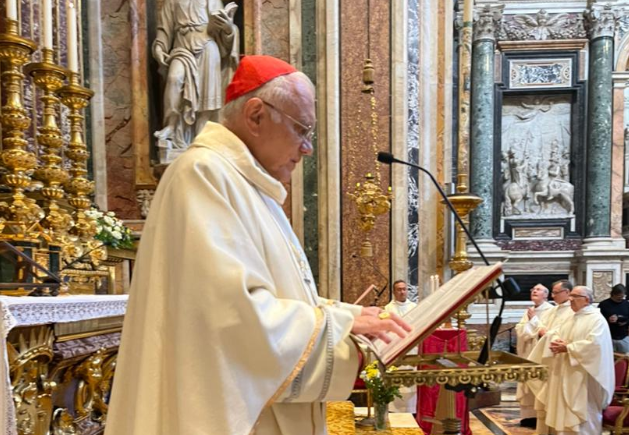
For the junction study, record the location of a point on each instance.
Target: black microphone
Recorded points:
(509, 287)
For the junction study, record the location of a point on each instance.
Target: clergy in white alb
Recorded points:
(580, 359)
(225, 333)
(400, 305)
(527, 332)
(556, 317)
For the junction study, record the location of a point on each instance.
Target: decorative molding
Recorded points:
(488, 23)
(535, 74)
(544, 233)
(144, 197)
(567, 44)
(600, 21)
(542, 26)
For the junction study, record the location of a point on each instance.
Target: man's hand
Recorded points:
(613, 318)
(558, 346)
(374, 326)
(541, 332)
(530, 313)
(371, 311)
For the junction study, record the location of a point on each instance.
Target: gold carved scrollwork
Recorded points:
(32, 389)
(95, 376)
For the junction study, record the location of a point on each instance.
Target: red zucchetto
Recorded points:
(253, 72)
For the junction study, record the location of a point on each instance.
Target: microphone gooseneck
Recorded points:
(388, 158)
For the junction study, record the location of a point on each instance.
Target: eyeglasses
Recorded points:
(559, 291)
(308, 130)
(577, 296)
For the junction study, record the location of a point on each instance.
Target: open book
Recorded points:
(433, 310)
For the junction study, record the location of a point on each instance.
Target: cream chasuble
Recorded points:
(527, 331)
(225, 333)
(581, 381)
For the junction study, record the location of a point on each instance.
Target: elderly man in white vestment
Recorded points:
(225, 333)
(556, 317)
(580, 359)
(527, 331)
(400, 305)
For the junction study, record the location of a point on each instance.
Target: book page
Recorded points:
(433, 310)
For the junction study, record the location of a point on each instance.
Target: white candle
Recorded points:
(47, 23)
(12, 9)
(468, 7)
(73, 56)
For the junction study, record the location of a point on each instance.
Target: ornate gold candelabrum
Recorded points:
(76, 97)
(50, 78)
(371, 202)
(464, 203)
(21, 213)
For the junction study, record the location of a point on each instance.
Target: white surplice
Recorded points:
(408, 402)
(527, 331)
(224, 332)
(581, 380)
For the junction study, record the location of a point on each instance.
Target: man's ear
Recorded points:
(253, 114)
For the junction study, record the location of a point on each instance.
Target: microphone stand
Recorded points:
(386, 281)
(388, 159)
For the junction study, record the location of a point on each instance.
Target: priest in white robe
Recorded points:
(225, 333)
(527, 332)
(581, 363)
(556, 317)
(400, 305)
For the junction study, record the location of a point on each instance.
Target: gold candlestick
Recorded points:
(15, 51)
(76, 98)
(50, 77)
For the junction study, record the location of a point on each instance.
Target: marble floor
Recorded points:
(503, 419)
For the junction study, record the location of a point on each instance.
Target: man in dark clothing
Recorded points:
(616, 311)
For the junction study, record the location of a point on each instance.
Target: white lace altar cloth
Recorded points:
(29, 311)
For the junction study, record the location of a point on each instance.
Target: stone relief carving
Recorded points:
(197, 49)
(602, 284)
(488, 23)
(535, 164)
(144, 197)
(542, 26)
(540, 74)
(600, 21)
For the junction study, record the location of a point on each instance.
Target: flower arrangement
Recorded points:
(380, 392)
(110, 230)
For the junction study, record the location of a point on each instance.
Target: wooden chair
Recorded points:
(616, 416)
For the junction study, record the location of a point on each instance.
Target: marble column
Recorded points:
(483, 118)
(601, 22)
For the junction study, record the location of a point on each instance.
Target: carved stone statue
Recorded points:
(197, 48)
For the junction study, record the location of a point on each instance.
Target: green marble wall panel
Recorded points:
(309, 66)
(598, 191)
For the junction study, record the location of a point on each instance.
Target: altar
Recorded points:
(59, 356)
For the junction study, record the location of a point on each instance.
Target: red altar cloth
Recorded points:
(427, 396)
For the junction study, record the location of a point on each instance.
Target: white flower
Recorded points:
(117, 235)
(109, 221)
(111, 214)
(99, 228)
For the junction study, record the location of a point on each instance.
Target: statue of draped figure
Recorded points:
(197, 48)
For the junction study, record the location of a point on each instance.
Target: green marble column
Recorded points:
(599, 123)
(482, 129)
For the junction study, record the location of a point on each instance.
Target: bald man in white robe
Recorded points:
(581, 378)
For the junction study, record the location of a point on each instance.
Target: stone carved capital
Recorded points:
(487, 23)
(542, 26)
(600, 21)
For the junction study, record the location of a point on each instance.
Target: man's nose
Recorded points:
(306, 147)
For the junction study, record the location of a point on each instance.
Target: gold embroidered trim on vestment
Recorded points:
(300, 364)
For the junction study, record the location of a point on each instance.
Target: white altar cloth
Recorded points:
(29, 311)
